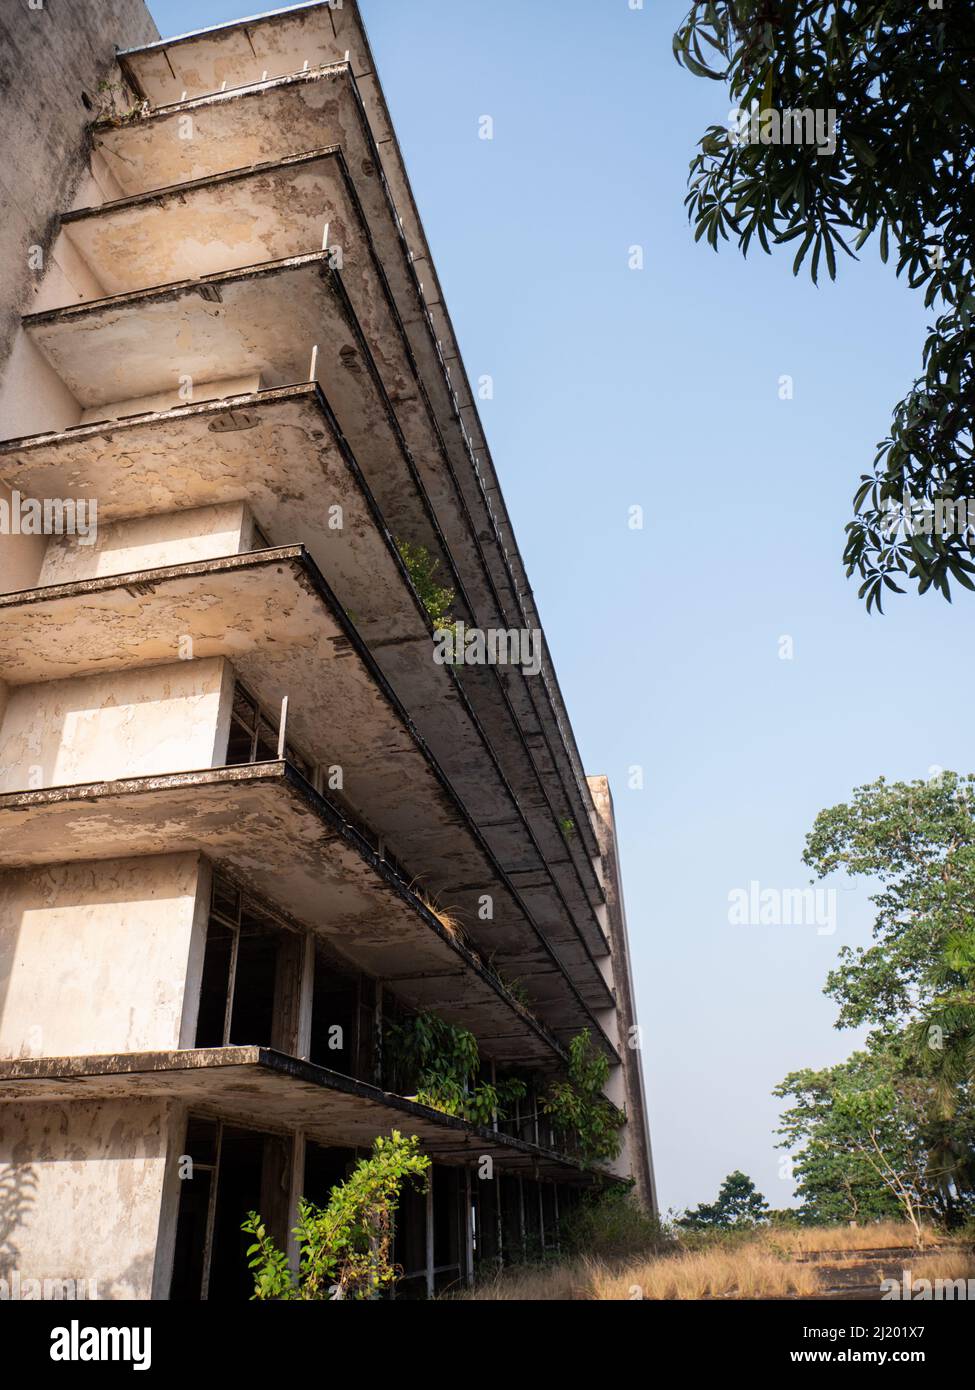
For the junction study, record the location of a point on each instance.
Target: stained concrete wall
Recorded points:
(121, 724)
(52, 58)
(101, 957)
(21, 557)
(81, 1193)
(142, 543)
(626, 1087)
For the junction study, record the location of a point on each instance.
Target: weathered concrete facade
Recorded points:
(247, 818)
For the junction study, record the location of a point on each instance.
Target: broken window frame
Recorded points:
(229, 905)
(219, 1126)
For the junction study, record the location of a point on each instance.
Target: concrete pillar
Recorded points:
(431, 1283)
(468, 1230)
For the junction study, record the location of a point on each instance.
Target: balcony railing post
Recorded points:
(283, 730)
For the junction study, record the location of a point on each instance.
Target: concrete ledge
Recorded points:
(275, 42)
(169, 234)
(262, 319)
(259, 1087)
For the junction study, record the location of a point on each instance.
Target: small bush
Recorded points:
(611, 1224)
(716, 1238)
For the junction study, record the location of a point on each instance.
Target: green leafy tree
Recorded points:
(345, 1248)
(838, 1172)
(739, 1206)
(587, 1122)
(915, 985)
(917, 842)
(898, 75)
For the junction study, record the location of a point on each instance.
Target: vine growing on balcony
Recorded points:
(587, 1123)
(345, 1249)
(442, 1062)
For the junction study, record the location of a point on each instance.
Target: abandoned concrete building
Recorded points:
(247, 820)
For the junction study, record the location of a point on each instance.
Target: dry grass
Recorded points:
(768, 1265)
(884, 1235)
(557, 1283)
(947, 1264)
(745, 1273)
(445, 916)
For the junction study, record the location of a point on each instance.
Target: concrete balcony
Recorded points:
(267, 827)
(262, 1088)
(268, 122)
(229, 55)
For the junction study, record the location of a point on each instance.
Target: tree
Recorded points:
(897, 76)
(915, 986)
(917, 840)
(858, 1154)
(739, 1206)
(345, 1249)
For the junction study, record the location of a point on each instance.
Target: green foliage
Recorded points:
(897, 1123)
(345, 1248)
(834, 1163)
(916, 984)
(518, 991)
(516, 988)
(113, 108)
(898, 73)
(423, 570)
(739, 1206)
(587, 1122)
(442, 1062)
(609, 1223)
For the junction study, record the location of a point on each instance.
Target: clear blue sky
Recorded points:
(659, 388)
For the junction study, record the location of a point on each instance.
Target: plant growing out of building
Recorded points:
(443, 1062)
(345, 1248)
(587, 1122)
(423, 570)
(114, 106)
(518, 991)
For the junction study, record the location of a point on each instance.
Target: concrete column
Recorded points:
(431, 1285)
(307, 999)
(295, 1194)
(521, 1214)
(468, 1230)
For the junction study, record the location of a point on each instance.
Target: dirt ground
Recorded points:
(858, 1275)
